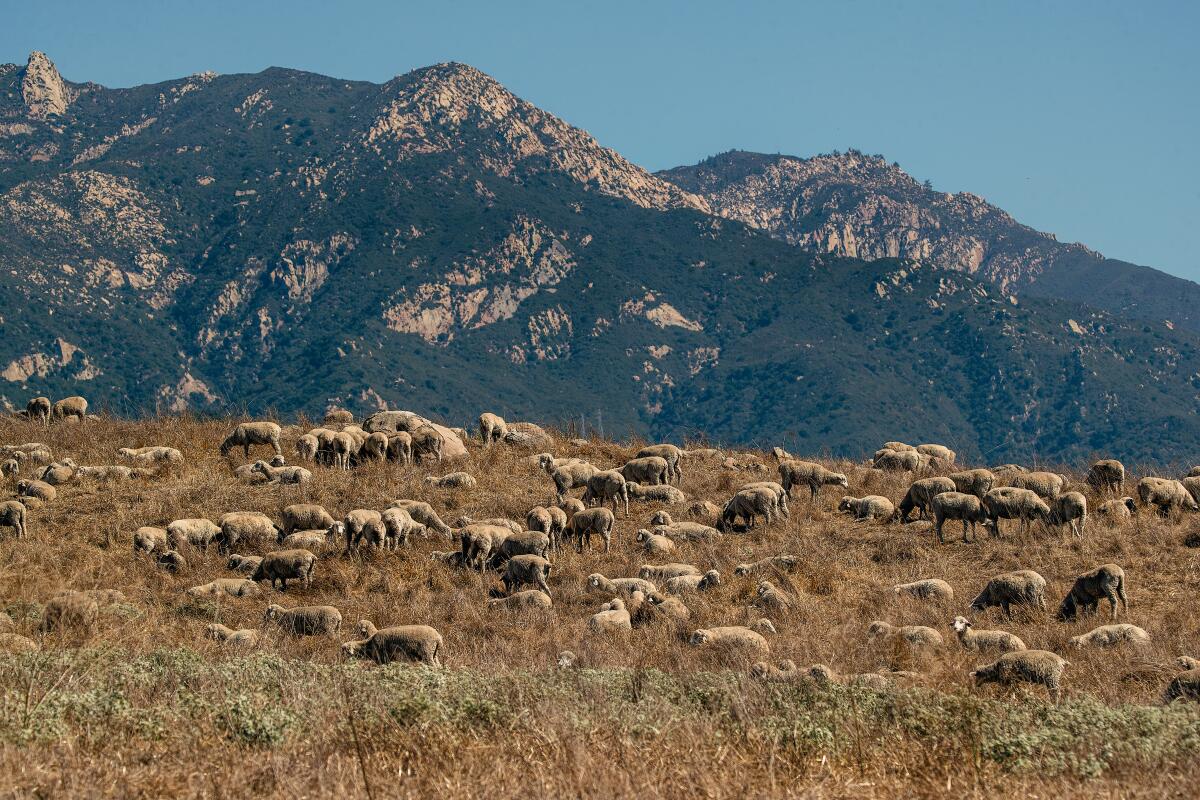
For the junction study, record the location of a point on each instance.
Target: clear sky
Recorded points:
(1080, 118)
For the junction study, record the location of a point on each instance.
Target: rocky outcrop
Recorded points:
(42, 88)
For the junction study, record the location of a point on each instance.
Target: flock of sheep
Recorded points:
(522, 552)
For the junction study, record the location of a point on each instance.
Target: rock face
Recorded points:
(861, 206)
(42, 88)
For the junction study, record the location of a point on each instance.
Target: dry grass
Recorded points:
(142, 705)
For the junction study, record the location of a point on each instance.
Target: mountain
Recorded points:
(285, 241)
(863, 207)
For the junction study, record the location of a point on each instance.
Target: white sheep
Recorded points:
(167, 457)
(985, 640)
(1111, 636)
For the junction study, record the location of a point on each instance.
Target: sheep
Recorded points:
(341, 447)
(733, 639)
(899, 447)
(198, 533)
(1192, 484)
(251, 433)
(455, 480)
(1069, 508)
(571, 476)
(1110, 636)
(427, 441)
(305, 620)
(244, 525)
(985, 641)
(12, 515)
(418, 644)
(823, 675)
(240, 563)
(423, 513)
(226, 587)
(650, 470)
(372, 447)
(245, 637)
(934, 589)
(303, 517)
(37, 457)
(338, 416)
(598, 521)
(651, 572)
(42, 491)
(1185, 685)
(1105, 581)
(74, 408)
(70, 610)
(1165, 495)
(973, 481)
(669, 453)
(478, 541)
(747, 504)
(783, 563)
(38, 410)
(777, 490)
(656, 494)
(492, 429)
(785, 671)
(1107, 475)
(1008, 502)
(661, 607)
(684, 530)
(1024, 666)
(526, 600)
(654, 544)
(913, 635)
(526, 570)
(1005, 470)
(769, 596)
(10, 468)
(967, 508)
(872, 506)
(58, 473)
(1123, 508)
(892, 461)
(106, 474)
(920, 496)
(361, 524)
(548, 463)
(605, 486)
(627, 586)
(1021, 587)
(449, 558)
(810, 474)
(167, 457)
(705, 510)
(171, 561)
(501, 522)
(1047, 485)
(613, 617)
(284, 565)
(148, 539)
(282, 474)
(399, 447)
(246, 473)
(692, 583)
(938, 451)
(533, 543)
(398, 526)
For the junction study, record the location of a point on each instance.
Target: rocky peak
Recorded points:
(43, 89)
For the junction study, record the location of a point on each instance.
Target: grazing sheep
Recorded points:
(285, 565)
(252, 433)
(1070, 508)
(613, 617)
(147, 539)
(419, 644)
(810, 474)
(669, 453)
(872, 506)
(783, 563)
(12, 515)
(305, 620)
(692, 583)
(656, 494)
(1024, 666)
(769, 596)
(1123, 508)
(400, 447)
(525, 543)
(934, 589)
(649, 470)
(651, 572)
(1046, 485)
(598, 521)
(315, 540)
(237, 526)
(1107, 475)
(1165, 495)
(307, 447)
(59, 472)
(967, 508)
(548, 463)
(1192, 484)
(654, 544)
(38, 410)
(226, 587)
(240, 563)
(10, 468)
(985, 641)
(282, 474)
(198, 533)
(478, 541)
(70, 610)
(42, 491)
(303, 517)
(605, 486)
(342, 447)
(777, 490)
(491, 429)
(1008, 502)
(1111, 636)
(526, 570)
(246, 637)
(915, 635)
(70, 408)
(171, 561)
(973, 481)
(423, 513)
(626, 586)
(733, 639)
(1185, 685)
(920, 496)
(167, 457)
(455, 480)
(938, 451)
(372, 447)
(1021, 587)
(526, 600)
(362, 524)
(823, 675)
(1106, 581)
(428, 441)
(892, 461)
(747, 504)
(571, 476)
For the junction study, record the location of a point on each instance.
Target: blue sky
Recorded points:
(1080, 118)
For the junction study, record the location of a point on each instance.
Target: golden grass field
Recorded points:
(142, 705)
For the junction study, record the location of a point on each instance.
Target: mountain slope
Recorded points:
(286, 241)
(860, 206)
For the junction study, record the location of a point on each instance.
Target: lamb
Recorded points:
(914, 635)
(984, 641)
(605, 486)
(303, 517)
(171, 561)
(1105, 581)
(656, 494)
(1121, 509)
(626, 586)
(147, 540)
(967, 508)
(526, 570)
(747, 504)
(12, 515)
(284, 474)
(651, 572)
(167, 457)
(1069, 508)
(305, 620)
(920, 496)
(240, 563)
(1021, 587)
(70, 610)
(1110, 636)
(237, 526)
(198, 533)
(246, 637)
(455, 480)
(526, 600)
(59, 472)
(491, 429)
(654, 544)
(400, 447)
(1107, 475)
(1185, 685)
(38, 410)
(681, 584)
(650, 470)
(74, 408)
(42, 491)
(571, 476)
(733, 639)
(938, 451)
(598, 521)
(872, 506)
(1007, 502)
(1165, 495)
(810, 474)
(226, 587)
(613, 617)
(783, 563)
(252, 433)
(423, 513)
(285, 565)
(418, 644)
(1024, 666)
(973, 481)
(1046, 485)
(934, 589)
(669, 453)
(427, 441)
(771, 597)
